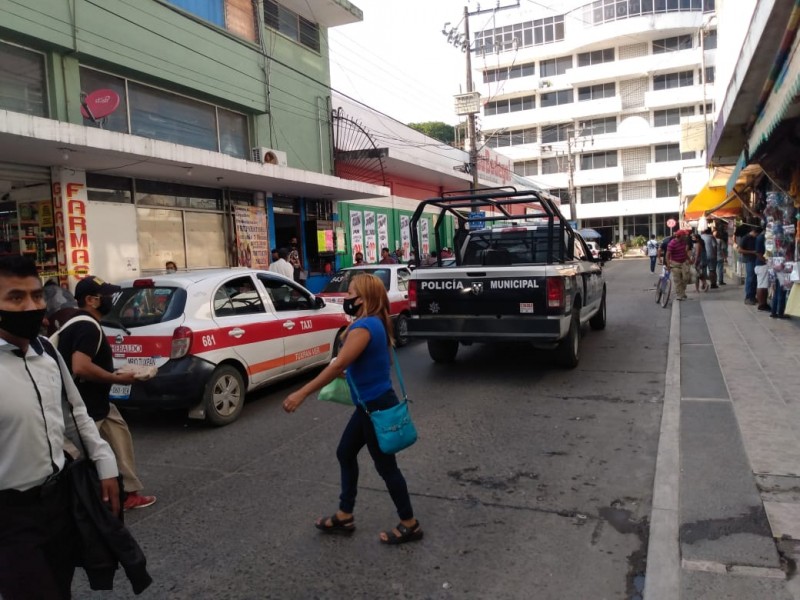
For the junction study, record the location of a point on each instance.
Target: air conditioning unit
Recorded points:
(268, 156)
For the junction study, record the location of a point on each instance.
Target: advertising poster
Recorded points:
(325, 240)
(405, 236)
(252, 242)
(383, 231)
(424, 240)
(356, 233)
(371, 243)
(340, 241)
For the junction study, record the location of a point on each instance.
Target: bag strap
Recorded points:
(86, 318)
(65, 403)
(399, 375)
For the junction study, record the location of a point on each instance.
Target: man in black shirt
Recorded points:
(747, 248)
(88, 355)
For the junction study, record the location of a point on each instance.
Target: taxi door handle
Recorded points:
(405, 296)
(288, 324)
(237, 332)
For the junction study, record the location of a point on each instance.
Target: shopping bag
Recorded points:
(336, 391)
(793, 302)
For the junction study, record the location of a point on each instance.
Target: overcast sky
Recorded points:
(398, 61)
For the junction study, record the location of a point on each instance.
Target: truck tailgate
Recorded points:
(480, 292)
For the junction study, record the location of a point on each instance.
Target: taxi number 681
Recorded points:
(208, 341)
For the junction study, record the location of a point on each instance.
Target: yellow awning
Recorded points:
(707, 199)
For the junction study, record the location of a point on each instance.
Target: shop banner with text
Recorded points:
(356, 233)
(369, 237)
(252, 240)
(383, 231)
(405, 236)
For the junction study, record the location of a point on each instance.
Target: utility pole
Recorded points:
(573, 211)
(473, 142)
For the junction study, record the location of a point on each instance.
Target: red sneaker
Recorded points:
(134, 500)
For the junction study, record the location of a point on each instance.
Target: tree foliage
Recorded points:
(437, 130)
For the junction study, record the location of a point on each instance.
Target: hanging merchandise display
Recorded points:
(781, 247)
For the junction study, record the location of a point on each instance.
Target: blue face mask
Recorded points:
(350, 307)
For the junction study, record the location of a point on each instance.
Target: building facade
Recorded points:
(606, 101)
(136, 133)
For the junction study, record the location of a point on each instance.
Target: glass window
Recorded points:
(597, 57)
(209, 10)
(666, 188)
(23, 86)
(673, 80)
(233, 138)
(553, 165)
(555, 98)
(598, 126)
(671, 152)
(593, 194)
(556, 133)
(710, 41)
(160, 238)
(596, 92)
(108, 188)
(237, 297)
(163, 116)
(672, 44)
(205, 240)
(139, 307)
(526, 168)
(598, 160)
(555, 66)
(285, 295)
(91, 81)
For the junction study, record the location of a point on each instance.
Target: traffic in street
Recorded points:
(526, 477)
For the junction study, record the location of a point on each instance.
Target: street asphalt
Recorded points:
(726, 500)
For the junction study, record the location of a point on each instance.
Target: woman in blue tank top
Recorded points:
(366, 356)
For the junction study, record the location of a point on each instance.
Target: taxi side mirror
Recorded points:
(318, 302)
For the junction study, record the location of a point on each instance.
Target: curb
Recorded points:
(663, 576)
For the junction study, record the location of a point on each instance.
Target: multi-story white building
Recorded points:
(593, 97)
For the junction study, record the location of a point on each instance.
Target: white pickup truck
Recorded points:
(521, 274)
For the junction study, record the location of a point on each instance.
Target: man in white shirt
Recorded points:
(652, 252)
(37, 533)
(282, 266)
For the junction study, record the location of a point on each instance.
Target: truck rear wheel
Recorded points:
(568, 353)
(443, 351)
(598, 321)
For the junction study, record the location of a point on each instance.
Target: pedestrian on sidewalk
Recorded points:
(779, 291)
(652, 252)
(711, 256)
(747, 249)
(722, 254)
(88, 355)
(700, 261)
(366, 354)
(762, 272)
(678, 262)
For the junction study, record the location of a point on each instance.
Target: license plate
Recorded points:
(120, 392)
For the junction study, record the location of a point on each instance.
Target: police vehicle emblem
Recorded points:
(477, 288)
(434, 307)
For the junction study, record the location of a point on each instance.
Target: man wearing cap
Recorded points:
(86, 350)
(678, 262)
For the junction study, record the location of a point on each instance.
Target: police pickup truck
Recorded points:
(521, 274)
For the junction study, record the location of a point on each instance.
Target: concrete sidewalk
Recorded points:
(726, 498)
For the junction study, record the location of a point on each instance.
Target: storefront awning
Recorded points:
(708, 199)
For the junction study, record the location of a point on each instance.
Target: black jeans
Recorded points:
(37, 543)
(360, 432)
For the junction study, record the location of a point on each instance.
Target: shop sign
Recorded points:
(494, 167)
(72, 236)
(405, 237)
(252, 240)
(424, 238)
(383, 231)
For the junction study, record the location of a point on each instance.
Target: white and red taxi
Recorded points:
(215, 335)
(395, 279)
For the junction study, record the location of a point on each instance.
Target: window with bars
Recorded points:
(672, 44)
(586, 59)
(633, 91)
(596, 92)
(500, 107)
(666, 188)
(598, 126)
(23, 87)
(670, 81)
(633, 51)
(514, 72)
(560, 193)
(636, 190)
(526, 168)
(291, 25)
(671, 152)
(555, 66)
(598, 160)
(634, 160)
(671, 116)
(556, 98)
(592, 194)
(556, 133)
(709, 76)
(556, 164)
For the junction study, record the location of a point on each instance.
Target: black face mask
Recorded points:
(23, 324)
(349, 306)
(106, 304)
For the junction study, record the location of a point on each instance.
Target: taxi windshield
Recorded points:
(138, 307)
(341, 279)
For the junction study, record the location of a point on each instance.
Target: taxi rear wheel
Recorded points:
(224, 396)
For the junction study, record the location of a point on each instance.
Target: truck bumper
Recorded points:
(490, 329)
